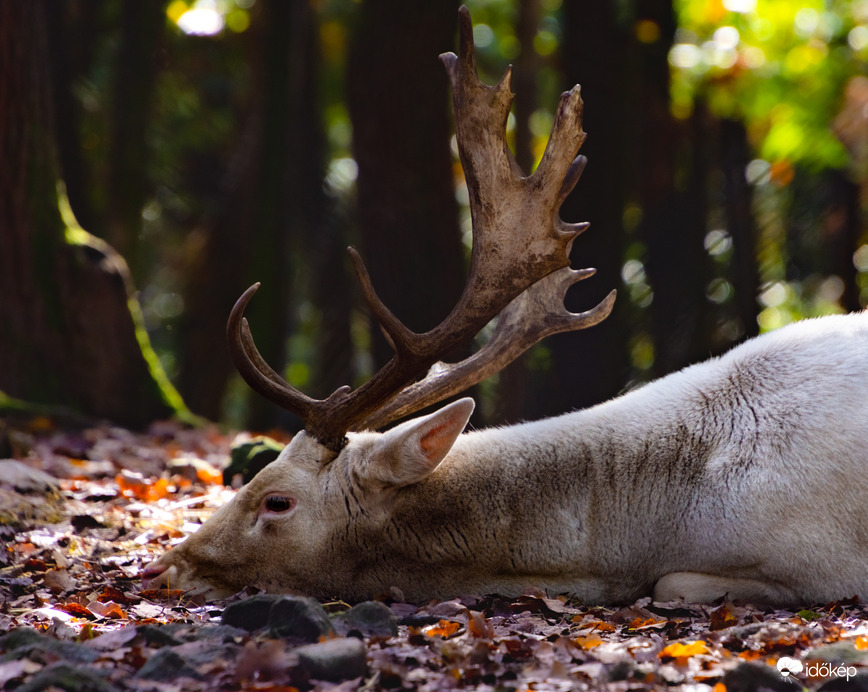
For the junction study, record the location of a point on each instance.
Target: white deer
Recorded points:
(745, 476)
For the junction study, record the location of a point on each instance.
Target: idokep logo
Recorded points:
(790, 667)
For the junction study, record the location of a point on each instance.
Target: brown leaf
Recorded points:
(76, 609)
(479, 626)
(722, 617)
(162, 594)
(58, 580)
(106, 610)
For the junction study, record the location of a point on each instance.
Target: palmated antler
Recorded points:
(519, 243)
(535, 314)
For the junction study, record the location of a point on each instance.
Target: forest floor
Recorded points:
(82, 511)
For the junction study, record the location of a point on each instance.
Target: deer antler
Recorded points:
(518, 241)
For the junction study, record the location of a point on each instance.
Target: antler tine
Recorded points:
(518, 241)
(535, 314)
(263, 379)
(252, 366)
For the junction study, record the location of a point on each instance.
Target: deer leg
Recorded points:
(696, 587)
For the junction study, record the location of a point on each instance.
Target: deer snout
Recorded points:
(154, 575)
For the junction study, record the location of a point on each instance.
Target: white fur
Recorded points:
(745, 475)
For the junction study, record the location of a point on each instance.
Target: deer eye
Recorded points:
(278, 504)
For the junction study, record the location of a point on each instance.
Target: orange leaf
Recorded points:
(639, 623)
(750, 655)
(721, 618)
(210, 476)
(588, 642)
(861, 643)
(76, 609)
(684, 651)
(444, 628)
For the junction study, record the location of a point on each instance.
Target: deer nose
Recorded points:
(151, 575)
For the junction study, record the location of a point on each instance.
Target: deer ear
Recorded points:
(410, 451)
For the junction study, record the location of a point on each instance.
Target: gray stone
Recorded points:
(368, 619)
(299, 619)
(63, 676)
(756, 677)
(166, 665)
(28, 643)
(251, 614)
(334, 660)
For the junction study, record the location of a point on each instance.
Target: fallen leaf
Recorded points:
(77, 610)
(681, 652)
(110, 609)
(588, 642)
(479, 626)
(647, 623)
(444, 629)
(58, 580)
(162, 594)
(721, 618)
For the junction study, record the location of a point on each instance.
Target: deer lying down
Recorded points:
(744, 476)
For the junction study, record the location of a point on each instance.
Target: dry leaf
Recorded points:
(444, 628)
(681, 652)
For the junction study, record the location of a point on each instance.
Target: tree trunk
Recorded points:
(73, 32)
(672, 189)
(397, 97)
(67, 336)
(735, 155)
(271, 227)
(592, 365)
(136, 70)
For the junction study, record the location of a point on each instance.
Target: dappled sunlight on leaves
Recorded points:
(73, 582)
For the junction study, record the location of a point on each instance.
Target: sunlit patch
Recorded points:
(740, 6)
(203, 19)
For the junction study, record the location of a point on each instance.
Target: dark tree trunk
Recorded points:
(824, 230)
(672, 187)
(398, 101)
(216, 278)
(844, 226)
(136, 70)
(735, 155)
(674, 230)
(270, 226)
(592, 365)
(73, 28)
(67, 336)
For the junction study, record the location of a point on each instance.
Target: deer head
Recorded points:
(314, 519)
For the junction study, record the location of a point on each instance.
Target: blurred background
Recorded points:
(214, 143)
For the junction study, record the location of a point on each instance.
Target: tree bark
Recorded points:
(398, 101)
(592, 365)
(271, 226)
(735, 154)
(67, 335)
(672, 188)
(136, 66)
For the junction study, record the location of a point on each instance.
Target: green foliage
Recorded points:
(783, 68)
(779, 65)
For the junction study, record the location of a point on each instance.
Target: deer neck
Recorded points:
(538, 499)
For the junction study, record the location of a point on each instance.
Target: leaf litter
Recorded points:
(82, 511)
